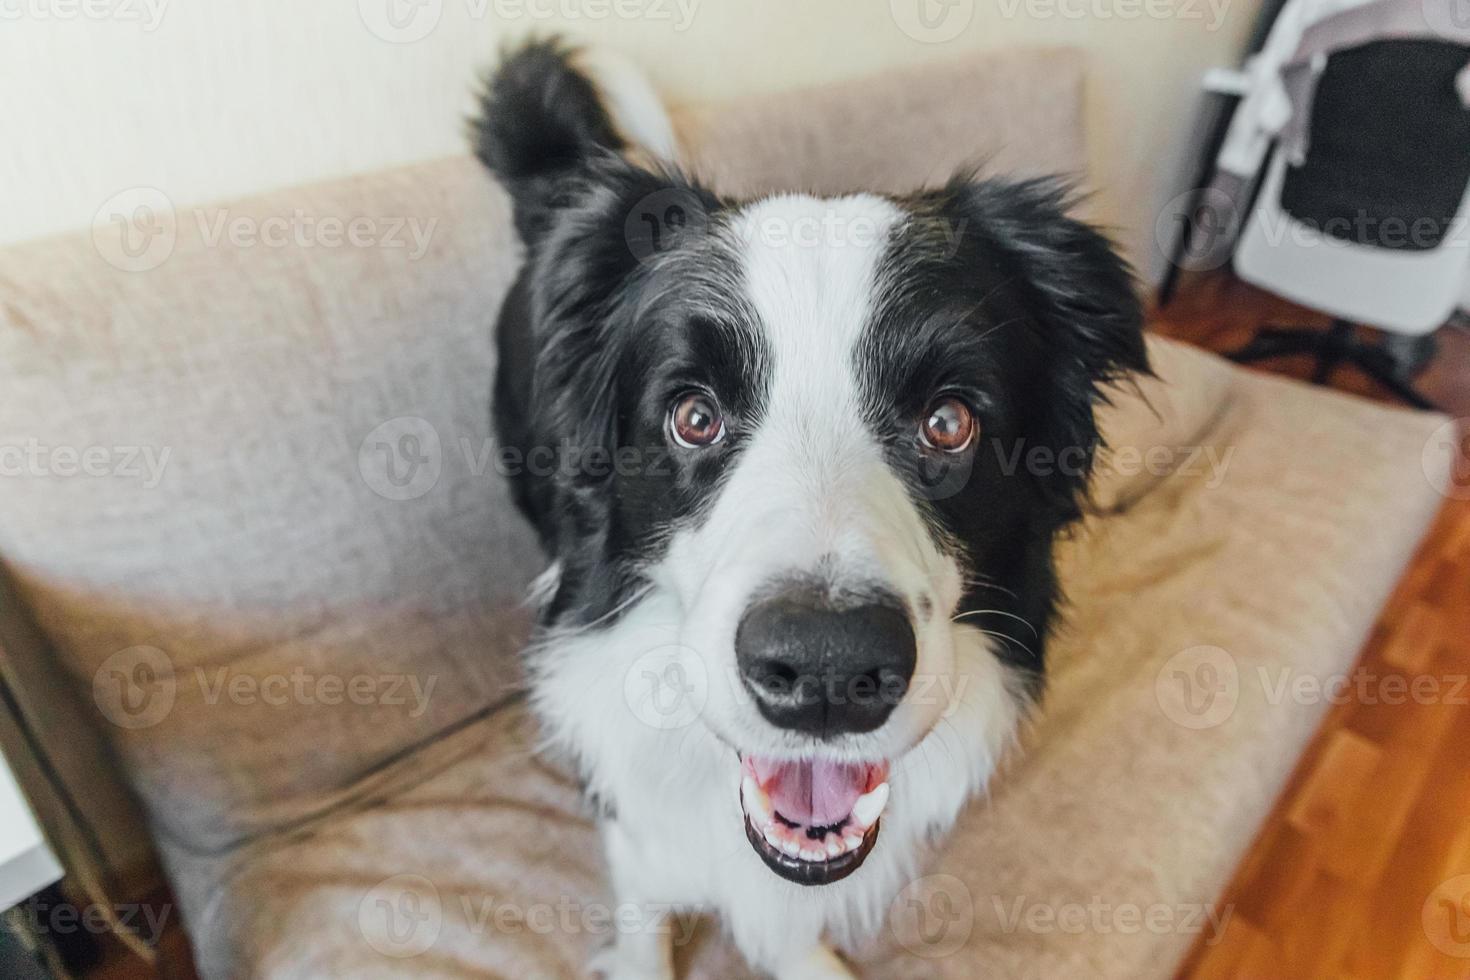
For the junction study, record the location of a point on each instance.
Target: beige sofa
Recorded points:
(259, 564)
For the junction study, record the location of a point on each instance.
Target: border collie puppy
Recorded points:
(800, 583)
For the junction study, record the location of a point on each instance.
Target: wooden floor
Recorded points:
(1222, 313)
(1354, 875)
(1363, 869)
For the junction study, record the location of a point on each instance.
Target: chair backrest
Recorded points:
(1388, 158)
(1371, 225)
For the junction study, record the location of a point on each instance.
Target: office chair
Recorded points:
(1370, 225)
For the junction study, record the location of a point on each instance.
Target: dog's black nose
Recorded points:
(819, 666)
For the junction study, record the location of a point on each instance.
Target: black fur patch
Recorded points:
(993, 293)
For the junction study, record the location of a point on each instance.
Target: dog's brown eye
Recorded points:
(694, 420)
(950, 426)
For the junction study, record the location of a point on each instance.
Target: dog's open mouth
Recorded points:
(812, 821)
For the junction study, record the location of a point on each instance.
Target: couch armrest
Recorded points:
(63, 767)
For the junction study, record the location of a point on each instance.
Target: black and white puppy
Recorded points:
(800, 587)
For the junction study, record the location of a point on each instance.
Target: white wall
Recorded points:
(213, 98)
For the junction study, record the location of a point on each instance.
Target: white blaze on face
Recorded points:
(811, 493)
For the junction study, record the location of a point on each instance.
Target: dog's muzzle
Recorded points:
(825, 667)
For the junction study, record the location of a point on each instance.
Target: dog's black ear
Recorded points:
(1075, 298)
(588, 282)
(592, 282)
(540, 120)
(593, 223)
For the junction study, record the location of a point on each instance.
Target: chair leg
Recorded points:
(1272, 342)
(1383, 368)
(1410, 355)
(1337, 345)
(1327, 361)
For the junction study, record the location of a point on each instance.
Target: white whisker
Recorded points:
(997, 612)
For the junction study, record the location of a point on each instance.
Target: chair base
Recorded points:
(1393, 363)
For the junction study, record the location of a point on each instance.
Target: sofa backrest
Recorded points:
(250, 494)
(245, 508)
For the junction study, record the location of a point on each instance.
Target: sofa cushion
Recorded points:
(1154, 426)
(258, 518)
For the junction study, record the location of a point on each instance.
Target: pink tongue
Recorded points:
(817, 793)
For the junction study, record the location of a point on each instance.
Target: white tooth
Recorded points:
(808, 854)
(834, 846)
(791, 847)
(757, 803)
(772, 839)
(853, 842)
(866, 810)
